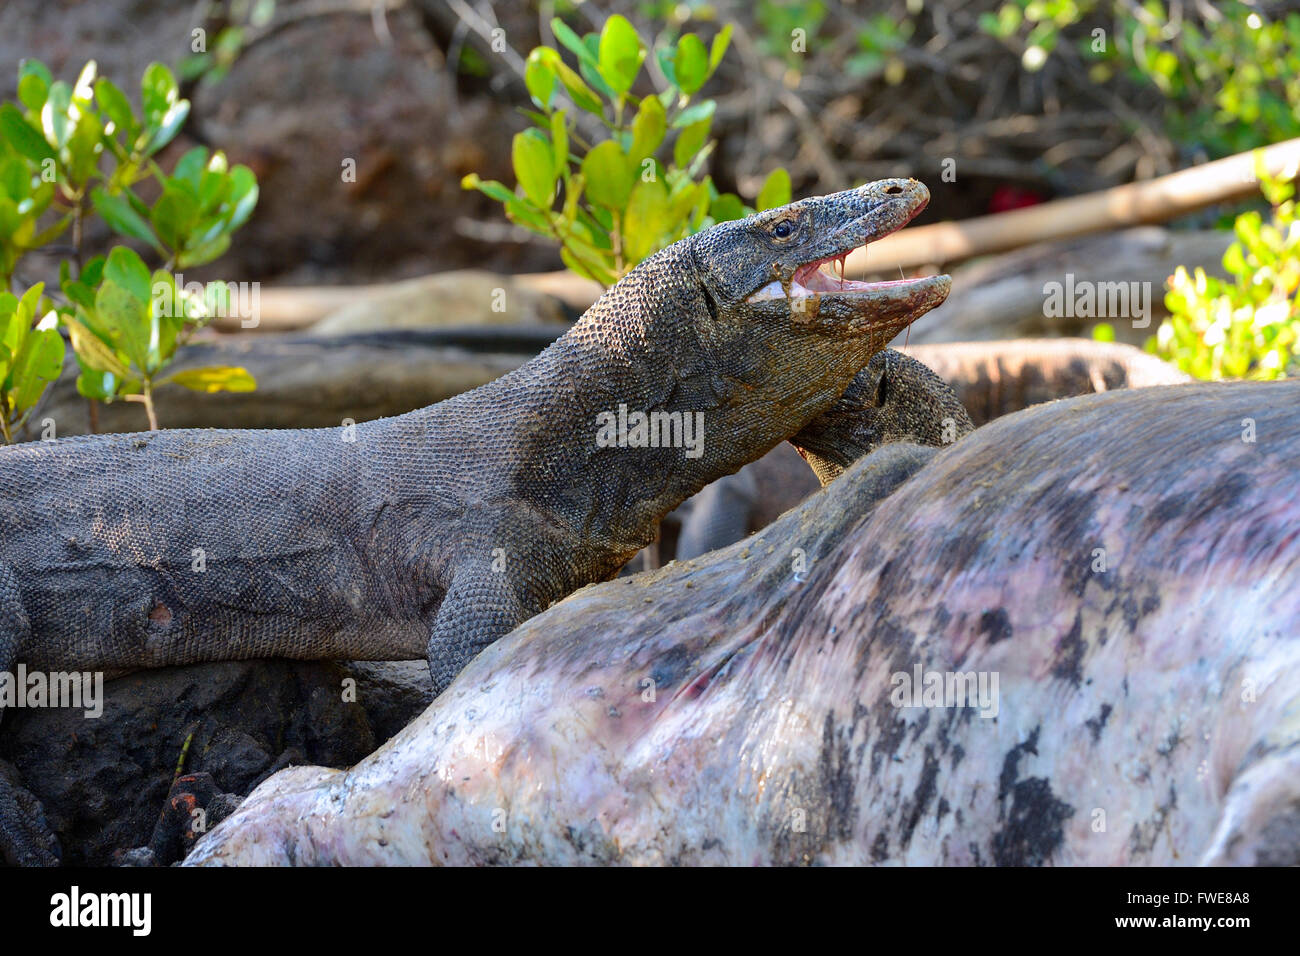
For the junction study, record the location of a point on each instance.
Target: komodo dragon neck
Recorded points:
(641, 355)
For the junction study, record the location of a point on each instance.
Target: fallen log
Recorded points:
(1043, 291)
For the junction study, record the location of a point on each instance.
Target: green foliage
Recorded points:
(1231, 72)
(126, 325)
(210, 59)
(1246, 326)
(70, 151)
(878, 44)
(31, 356)
(612, 202)
(780, 19)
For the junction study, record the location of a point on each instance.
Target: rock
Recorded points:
(104, 782)
(393, 693)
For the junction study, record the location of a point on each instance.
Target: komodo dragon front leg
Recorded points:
(438, 531)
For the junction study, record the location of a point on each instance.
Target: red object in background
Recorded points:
(1006, 198)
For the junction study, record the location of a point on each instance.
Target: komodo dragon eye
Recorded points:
(783, 229)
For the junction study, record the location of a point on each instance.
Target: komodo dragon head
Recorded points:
(778, 338)
(733, 331)
(767, 268)
(740, 316)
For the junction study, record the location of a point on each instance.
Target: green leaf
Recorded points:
(167, 312)
(190, 167)
(22, 136)
(92, 273)
(587, 268)
(40, 363)
(10, 219)
(32, 91)
(689, 142)
(167, 128)
(775, 191)
(571, 40)
(243, 196)
(691, 63)
(33, 67)
(718, 49)
(727, 207)
(525, 214)
(648, 129)
(95, 384)
(534, 165)
(608, 175)
(114, 105)
(174, 213)
(55, 121)
(83, 91)
(204, 252)
(214, 378)
(127, 321)
(84, 146)
(540, 78)
(646, 220)
(128, 271)
(578, 90)
(621, 53)
(667, 57)
(19, 313)
(158, 91)
(123, 219)
(92, 351)
(489, 187)
(695, 113)
(15, 180)
(1234, 262)
(560, 142)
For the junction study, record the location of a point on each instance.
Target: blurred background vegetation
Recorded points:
(383, 139)
(1033, 99)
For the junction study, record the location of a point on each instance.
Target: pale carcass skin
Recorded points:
(1148, 713)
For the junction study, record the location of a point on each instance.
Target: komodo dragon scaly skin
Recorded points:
(436, 532)
(895, 398)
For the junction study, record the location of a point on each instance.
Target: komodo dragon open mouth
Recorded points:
(811, 279)
(890, 205)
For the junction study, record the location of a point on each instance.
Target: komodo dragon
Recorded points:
(436, 532)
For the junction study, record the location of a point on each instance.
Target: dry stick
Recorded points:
(1155, 200)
